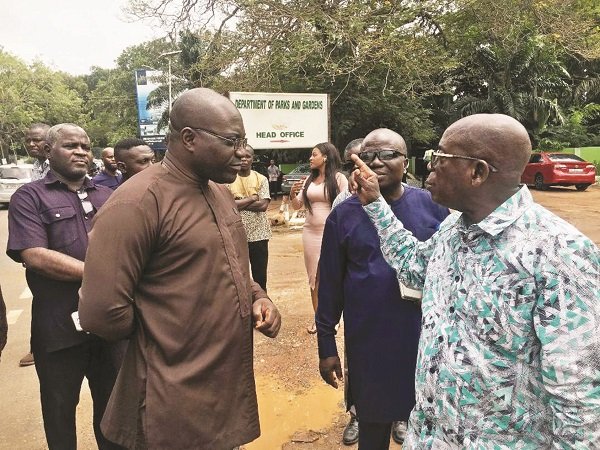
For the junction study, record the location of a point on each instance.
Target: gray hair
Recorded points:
(54, 132)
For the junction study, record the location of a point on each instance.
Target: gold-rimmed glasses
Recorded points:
(435, 157)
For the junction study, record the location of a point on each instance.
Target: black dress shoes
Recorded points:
(350, 435)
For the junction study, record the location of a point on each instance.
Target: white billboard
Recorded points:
(283, 120)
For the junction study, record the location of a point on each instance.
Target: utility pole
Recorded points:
(169, 54)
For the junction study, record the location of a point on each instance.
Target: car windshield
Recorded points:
(15, 173)
(565, 157)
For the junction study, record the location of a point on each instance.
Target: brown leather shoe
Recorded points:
(399, 432)
(350, 435)
(27, 360)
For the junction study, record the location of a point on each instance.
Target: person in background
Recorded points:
(35, 141)
(508, 355)
(251, 193)
(381, 326)
(109, 176)
(132, 156)
(316, 193)
(178, 286)
(48, 225)
(353, 148)
(274, 174)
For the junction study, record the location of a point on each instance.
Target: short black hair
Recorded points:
(125, 144)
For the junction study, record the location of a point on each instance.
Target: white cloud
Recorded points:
(69, 35)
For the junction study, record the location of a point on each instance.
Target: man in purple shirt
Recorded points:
(109, 176)
(49, 221)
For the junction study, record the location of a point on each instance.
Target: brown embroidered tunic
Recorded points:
(167, 267)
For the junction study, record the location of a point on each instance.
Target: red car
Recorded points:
(559, 169)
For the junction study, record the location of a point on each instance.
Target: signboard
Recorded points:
(283, 120)
(146, 81)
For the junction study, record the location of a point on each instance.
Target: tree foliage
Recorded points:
(33, 94)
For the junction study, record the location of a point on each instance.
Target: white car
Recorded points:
(12, 177)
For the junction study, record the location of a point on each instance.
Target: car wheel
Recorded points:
(539, 182)
(582, 187)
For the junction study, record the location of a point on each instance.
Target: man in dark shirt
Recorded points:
(381, 324)
(48, 222)
(109, 177)
(133, 155)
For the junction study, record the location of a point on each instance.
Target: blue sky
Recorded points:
(69, 35)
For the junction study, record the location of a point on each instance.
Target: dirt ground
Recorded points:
(298, 410)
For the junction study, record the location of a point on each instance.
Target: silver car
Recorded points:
(301, 171)
(12, 177)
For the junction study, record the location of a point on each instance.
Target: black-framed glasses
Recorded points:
(85, 202)
(383, 155)
(238, 143)
(435, 158)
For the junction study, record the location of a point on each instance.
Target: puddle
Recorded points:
(282, 412)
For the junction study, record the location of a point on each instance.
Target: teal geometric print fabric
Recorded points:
(509, 356)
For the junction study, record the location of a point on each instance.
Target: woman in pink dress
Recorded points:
(316, 193)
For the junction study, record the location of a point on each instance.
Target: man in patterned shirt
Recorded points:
(251, 193)
(35, 140)
(509, 349)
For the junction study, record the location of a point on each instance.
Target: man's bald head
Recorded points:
(201, 107)
(384, 137)
(207, 135)
(107, 152)
(496, 138)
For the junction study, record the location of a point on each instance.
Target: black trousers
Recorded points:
(373, 436)
(61, 374)
(273, 188)
(259, 257)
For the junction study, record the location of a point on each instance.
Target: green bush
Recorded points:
(550, 145)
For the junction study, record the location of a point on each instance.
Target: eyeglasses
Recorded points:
(435, 158)
(383, 155)
(238, 143)
(85, 203)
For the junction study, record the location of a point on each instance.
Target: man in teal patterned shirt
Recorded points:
(509, 356)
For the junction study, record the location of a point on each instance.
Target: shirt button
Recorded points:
(451, 309)
(57, 215)
(457, 278)
(441, 338)
(432, 369)
(430, 399)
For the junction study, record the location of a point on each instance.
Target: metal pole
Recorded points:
(170, 100)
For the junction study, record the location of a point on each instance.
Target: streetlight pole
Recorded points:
(169, 54)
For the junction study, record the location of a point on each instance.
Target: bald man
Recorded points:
(508, 355)
(110, 176)
(178, 286)
(381, 326)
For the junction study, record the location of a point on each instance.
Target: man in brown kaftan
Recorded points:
(167, 267)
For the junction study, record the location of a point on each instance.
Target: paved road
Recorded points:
(21, 426)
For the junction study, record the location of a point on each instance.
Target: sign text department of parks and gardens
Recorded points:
(283, 120)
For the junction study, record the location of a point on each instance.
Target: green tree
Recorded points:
(31, 94)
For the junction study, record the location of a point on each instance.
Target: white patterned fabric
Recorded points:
(509, 356)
